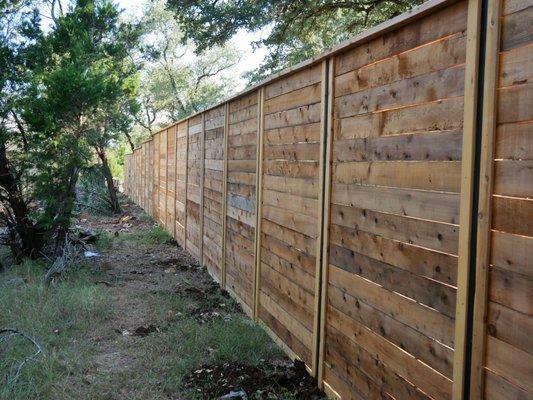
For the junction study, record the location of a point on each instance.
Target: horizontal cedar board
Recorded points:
(419, 288)
(414, 90)
(511, 290)
(294, 169)
(510, 326)
(439, 115)
(297, 116)
(513, 178)
(428, 175)
(516, 29)
(302, 205)
(430, 146)
(513, 215)
(516, 66)
(306, 133)
(430, 234)
(340, 356)
(499, 388)
(298, 80)
(296, 98)
(289, 219)
(292, 152)
(515, 103)
(512, 252)
(425, 320)
(513, 141)
(515, 365)
(305, 280)
(304, 335)
(435, 384)
(434, 56)
(291, 254)
(433, 353)
(417, 33)
(430, 205)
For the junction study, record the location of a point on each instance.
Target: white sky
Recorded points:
(242, 40)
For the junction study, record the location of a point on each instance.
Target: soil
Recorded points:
(131, 273)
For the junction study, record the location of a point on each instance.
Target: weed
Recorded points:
(156, 235)
(57, 315)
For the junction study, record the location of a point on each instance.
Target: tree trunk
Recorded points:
(26, 238)
(112, 190)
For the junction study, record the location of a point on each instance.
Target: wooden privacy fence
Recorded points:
(372, 208)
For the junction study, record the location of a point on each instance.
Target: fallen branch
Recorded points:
(8, 333)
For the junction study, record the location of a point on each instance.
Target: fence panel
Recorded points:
(327, 201)
(162, 207)
(194, 185)
(171, 180)
(213, 187)
(181, 181)
(395, 183)
(290, 208)
(508, 363)
(241, 197)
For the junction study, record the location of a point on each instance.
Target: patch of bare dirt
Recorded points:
(241, 381)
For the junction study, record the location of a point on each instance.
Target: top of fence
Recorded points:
(369, 34)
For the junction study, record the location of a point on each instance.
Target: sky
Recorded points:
(250, 58)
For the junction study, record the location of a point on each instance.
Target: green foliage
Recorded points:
(156, 235)
(92, 195)
(175, 82)
(297, 29)
(57, 316)
(71, 90)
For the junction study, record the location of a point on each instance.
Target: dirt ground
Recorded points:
(155, 286)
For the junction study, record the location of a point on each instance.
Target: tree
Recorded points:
(299, 29)
(57, 85)
(175, 81)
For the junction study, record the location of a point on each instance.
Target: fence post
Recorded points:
(186, 183)
(202, 177)
(321, 275)
(468, 203)
(488, 129)
(258, 200)
(224, 195)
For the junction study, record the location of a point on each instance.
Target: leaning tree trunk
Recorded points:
(112, 190)
(26, 238)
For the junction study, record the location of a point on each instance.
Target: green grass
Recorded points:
(184, 343)
(57, 316)
(155, 235)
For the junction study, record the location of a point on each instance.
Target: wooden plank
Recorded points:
(513, 141)
(513, 364)
(225, 195)
(259, 203)
(427, 175)
(513, 215)
(485, 190)
(467, 195)
(497, 388)
(514, 291)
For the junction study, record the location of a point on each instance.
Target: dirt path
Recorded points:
(172, 329)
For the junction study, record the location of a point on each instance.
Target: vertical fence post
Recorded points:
(258, 200)
(224, 195)
(468, 204)
(321, 275)
(202, 177)
(488, 129)
(186, 183)
(175, 180)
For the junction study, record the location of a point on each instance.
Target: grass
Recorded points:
(57, 316)
(185, 343)
(62, 317)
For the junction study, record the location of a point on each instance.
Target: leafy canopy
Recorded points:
(298, 29)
